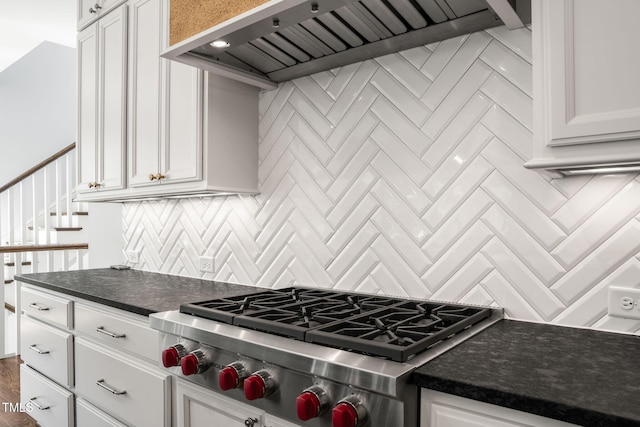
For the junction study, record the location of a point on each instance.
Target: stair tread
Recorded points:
(72, 213)
(58, 228)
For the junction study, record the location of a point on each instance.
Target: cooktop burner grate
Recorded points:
(379, 326)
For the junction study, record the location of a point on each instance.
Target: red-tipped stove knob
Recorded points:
(311, 403)
(258, 385)
(194, 363)
(231, 376)
(344, 415)
(348, 413)
(172, 355)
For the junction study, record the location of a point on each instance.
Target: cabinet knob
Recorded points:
(158, 177)
(250, 422)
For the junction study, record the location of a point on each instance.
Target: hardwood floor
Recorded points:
(10, 394)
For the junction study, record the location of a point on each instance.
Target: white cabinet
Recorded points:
(46, 402)
(48, 350)
(446, 410)
(187, 132)
(586, 88)
(106, 358)
(199, 407)
(122, 386)
(89, 415)
(91, 10)
(165, 132)
(102, 77)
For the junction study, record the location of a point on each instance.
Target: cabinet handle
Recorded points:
(92, 11)
(94, 185)
(153, 177)
(35, 348)
(102, 330)
(250, 422)
(101, 383)
(35, 305)
(37, 405)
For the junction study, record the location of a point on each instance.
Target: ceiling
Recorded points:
(24, 24)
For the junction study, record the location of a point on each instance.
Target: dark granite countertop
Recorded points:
(135, 291)
(580, 376)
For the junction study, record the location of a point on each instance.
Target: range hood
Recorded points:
(280, 40)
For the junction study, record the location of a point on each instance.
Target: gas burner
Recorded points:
(391, 328)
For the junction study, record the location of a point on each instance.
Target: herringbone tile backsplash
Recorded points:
(403, 175)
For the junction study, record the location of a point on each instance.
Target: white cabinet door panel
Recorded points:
(198, 407)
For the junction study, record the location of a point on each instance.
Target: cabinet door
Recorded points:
(593, 68)
(181, 154)
(144, 102)
(198, 407)
(112, 38)
(446, 410)
(102, 103)
(271, 421)
(87, 107)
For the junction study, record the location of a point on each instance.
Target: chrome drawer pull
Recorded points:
(37, 405)
(102, 330)
(102, 384)
(38, 307)
(35, 348)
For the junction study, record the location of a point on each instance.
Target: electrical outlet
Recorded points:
(133, 257)
(206, 264)
(624, 302)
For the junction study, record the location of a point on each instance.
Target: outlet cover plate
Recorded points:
(206, 264)
(624, 302)
(133, 257)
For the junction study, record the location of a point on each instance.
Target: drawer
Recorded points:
(47, 349)
(89, 415)
(137, 392)
(46, 402)
(47, 307)
(127, 332)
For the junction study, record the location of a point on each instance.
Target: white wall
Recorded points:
(404, 176)
(37, 107)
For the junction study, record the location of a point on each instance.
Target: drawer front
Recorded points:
(126, 333)
(47, 307)
(47, 349)
(138, 393)
(46, 402)
(89, 415)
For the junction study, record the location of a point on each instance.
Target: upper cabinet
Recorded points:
(182, 132)
(102, 62)
(586, 87)
(91, 10)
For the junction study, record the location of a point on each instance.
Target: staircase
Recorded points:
(41, 230)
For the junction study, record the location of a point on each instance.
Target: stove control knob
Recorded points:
(172, 355)
(194, 363)
(312, 403)
(231, 376)
(349, 412)
(258, 385)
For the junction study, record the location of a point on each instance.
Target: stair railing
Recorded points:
(32, 206)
